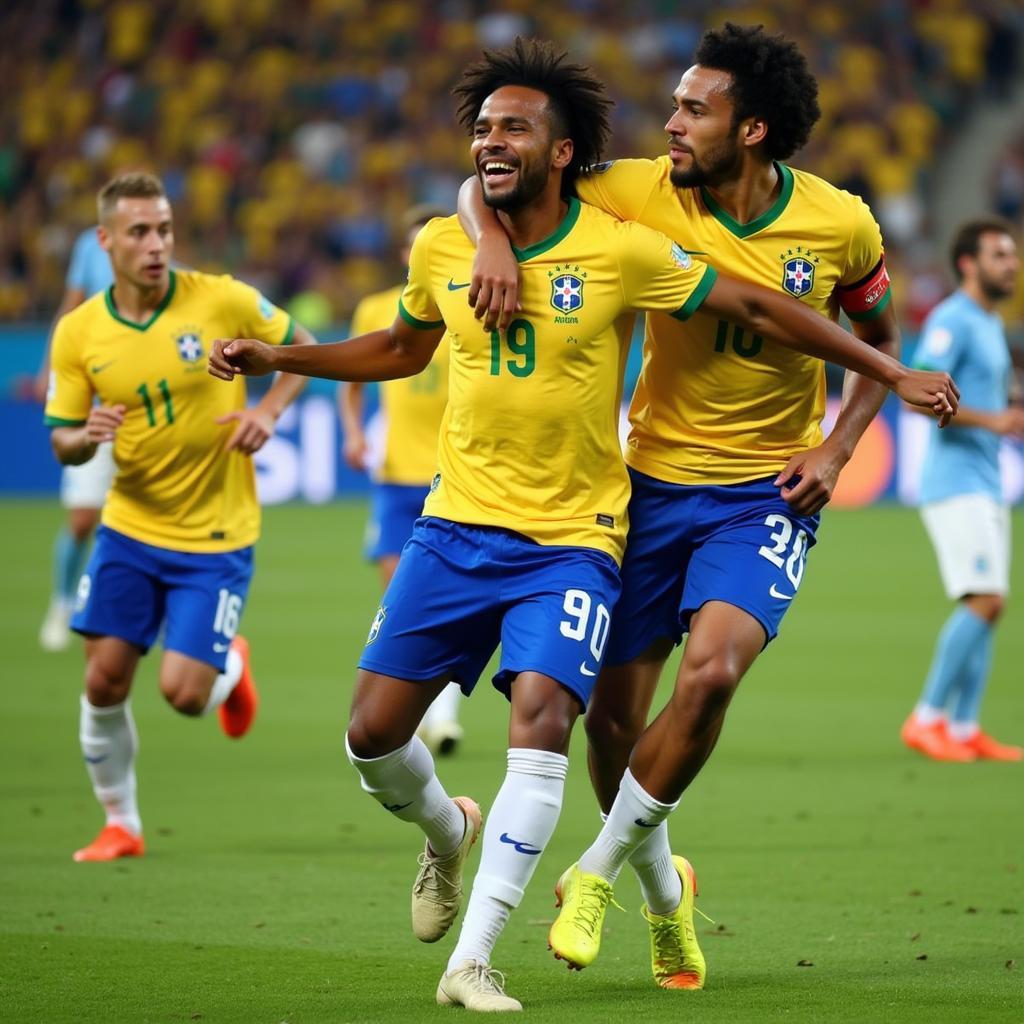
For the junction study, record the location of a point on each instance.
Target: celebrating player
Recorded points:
(726, 457)
(411, 411)
(962, 501)
(525, 524)
(175, 546)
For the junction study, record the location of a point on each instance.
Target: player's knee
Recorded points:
(106, 684)
(542, 727)
(368, 739)
(989, 607)
(185, 699)
(712, 681)
(609, 729)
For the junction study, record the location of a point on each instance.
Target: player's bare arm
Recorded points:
(255, 425)
(399, 351)
(74, 446)
(785, 320)
(351, 404)
(818, 468)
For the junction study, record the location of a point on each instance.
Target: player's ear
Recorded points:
(104, 237)
(754, 131)
(561, 153)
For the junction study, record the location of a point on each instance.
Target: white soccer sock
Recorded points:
(109, 742)
(660, 884)
(225, 682)
(927, 715)
(963, 731)
(404, 783)
(445, 707)
(519, 826)
(630, 821)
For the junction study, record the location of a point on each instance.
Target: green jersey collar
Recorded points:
(568, 223)
(768, 217)
(164, 303)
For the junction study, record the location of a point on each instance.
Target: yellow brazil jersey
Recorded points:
(529, 440)
(176, 485)
(412, 406)
(715, 404)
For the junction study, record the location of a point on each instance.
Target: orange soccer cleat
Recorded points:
(934, 741)
(239, 710)
(988, 749)
(112, 842)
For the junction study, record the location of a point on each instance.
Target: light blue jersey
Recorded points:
(966, 341)
(89, 270)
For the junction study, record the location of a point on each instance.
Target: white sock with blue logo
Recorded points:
(225, 682)
(660, 884)
(520, 824)
(404, 783)
(629, 824)
(109, 742)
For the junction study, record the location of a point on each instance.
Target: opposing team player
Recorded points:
(174, 550)
(726, 456)
(526, 521)
(962, 500)
(402, 456)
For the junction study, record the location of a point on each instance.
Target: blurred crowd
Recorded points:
(292, 136)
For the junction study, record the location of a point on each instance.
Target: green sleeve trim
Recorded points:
(874, 311)
(420, 325)
(290, 333)
(57, 421)
(698, 295)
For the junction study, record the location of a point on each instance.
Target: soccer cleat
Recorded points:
(54, 634)
(441, 738)
(676, 959)
(437, 891)
(239, 710)
(988, 749)
(576, 934)
(934, 741)
(476, 986)
(112, 842)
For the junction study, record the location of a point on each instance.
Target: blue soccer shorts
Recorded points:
(687, 545)
(394, 509)
(130, 589)
(461, 590)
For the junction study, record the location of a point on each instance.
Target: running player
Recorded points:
(402, 453)
(83, 489)
(175, 546)
(726, 456)
(962, 501)
(525, 524)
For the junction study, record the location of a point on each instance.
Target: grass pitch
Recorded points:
(274, 890)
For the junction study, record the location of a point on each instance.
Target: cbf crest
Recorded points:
(567, 292)
(190, 345)
(798, 270)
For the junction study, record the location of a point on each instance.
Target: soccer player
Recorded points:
(411, 411)
(83, 489)
(526, 521)
(962, 501)
(727, 461)
(174, 550)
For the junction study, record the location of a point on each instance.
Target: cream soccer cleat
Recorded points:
(576, 934)
(55, 633)
(442, 738)
(476, 986)
(437, 891)
(676, 959)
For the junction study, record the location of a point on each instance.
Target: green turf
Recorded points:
(274, 890)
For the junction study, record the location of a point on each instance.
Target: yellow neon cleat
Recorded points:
(676, 959)
(576, 934)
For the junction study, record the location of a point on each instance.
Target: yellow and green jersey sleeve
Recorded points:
(177, 486)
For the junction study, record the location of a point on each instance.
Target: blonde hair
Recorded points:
(134, 185)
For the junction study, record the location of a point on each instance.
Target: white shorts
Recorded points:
(86, 486)
(971, 537)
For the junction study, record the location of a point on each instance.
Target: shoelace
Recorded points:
(490, 978)
(595, 895)
(431, 877)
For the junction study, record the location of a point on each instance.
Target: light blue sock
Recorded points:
(973, 680)
(69, 557)
(960, 637)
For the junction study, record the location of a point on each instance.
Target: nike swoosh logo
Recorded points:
(396, 807)
(781, 596)
(586, 671)
(645, 824)
(221, 648)
(453, 287)
(519, 846)
(96, 760)
(102, 366)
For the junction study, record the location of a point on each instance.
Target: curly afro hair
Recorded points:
(575, 95)
(770, 80)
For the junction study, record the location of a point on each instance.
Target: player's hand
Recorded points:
(932, 391)
(102, 422)
(231, 356)
(354, 450)
(255, 426)
(1009, 422)
(494, 284)
(818, 470)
